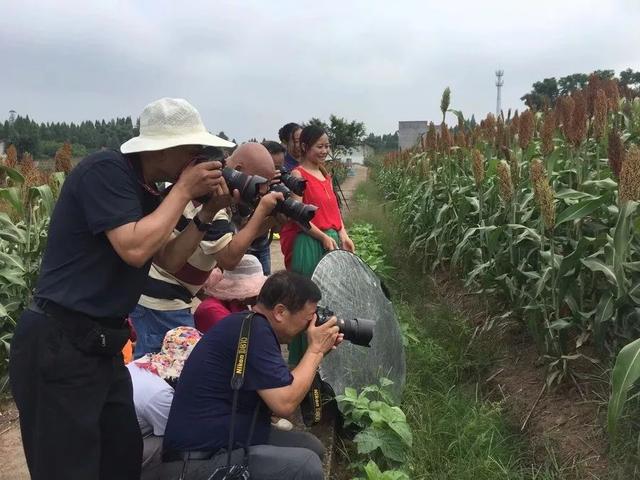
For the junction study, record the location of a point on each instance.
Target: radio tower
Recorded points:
(499, 84)
(12, 116)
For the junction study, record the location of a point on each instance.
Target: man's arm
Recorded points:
(283, 401)
(229, 257)
(137, 242)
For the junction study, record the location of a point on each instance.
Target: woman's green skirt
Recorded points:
(307, 252)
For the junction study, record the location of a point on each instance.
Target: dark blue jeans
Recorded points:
(264, 255)
(152, 325)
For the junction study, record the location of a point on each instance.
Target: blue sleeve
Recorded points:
(109, 196)
(266, 367)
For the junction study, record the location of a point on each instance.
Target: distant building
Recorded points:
(409, 133)
(1, 148)
(359, 154)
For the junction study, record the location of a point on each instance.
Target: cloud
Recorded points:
(251, 66)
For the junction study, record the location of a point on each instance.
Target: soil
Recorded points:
(566, 421)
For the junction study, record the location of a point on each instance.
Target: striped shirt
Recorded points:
(166, 291)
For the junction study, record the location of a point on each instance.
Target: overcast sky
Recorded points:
(251, 66)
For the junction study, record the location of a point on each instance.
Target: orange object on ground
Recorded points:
(127, 352)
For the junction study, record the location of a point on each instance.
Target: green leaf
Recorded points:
(604, 313)
(12, 173)
(368, 440)
(568, 194)
(572, 260)
(44, 193)
(625, 372)
(12, 195)
(607, 184)
(596, 265)
(579, 210)
(372, 470)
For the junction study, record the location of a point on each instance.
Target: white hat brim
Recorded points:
(143, 143)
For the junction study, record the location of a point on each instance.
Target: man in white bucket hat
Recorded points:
(67, 374)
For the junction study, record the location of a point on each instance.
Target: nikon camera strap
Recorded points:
(237, 380)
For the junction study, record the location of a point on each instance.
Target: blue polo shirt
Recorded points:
(200, 414)
(289, 162)
(80, 269)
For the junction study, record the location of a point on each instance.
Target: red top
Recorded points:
(212, 310)
(319, 193)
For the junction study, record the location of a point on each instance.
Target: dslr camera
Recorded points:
(251, 188)
(358, 331)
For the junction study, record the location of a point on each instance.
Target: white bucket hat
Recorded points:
(171, 122)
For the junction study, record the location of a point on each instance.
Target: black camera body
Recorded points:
(250, 188)
(298, 211)
(358, 331)
(296, 184)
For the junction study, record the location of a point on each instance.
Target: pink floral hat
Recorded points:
(176, 348)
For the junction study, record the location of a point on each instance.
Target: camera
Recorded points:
(295, 210)
(358, 331)
(250, 188)
(296, 184)
(247, 185)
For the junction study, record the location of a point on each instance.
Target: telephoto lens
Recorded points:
(249, 186)
(358, 331)
(295, 210)
(296, 184)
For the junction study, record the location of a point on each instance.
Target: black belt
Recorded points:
(95, 336)
(182, 455)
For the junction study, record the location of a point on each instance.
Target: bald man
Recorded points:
(255, 159)
(167, 297)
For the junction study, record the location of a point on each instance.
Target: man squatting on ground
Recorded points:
(67, 375)
(167, 296)
(200, 416)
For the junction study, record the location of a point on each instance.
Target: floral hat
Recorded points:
(176, 348)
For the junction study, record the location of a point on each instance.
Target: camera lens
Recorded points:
(296, 184)
(247, 185)
(358, 331)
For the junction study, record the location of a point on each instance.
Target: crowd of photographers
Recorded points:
(135, 237)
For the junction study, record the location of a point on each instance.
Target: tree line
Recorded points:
(545, 93)
(43, 140)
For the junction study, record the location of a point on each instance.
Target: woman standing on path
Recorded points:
(303, 250)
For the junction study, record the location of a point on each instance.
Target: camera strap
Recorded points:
(237, 380)
(311, 406)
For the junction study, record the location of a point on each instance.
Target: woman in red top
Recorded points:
(303, 249)
(229, 292)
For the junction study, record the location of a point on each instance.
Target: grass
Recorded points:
(457, 433)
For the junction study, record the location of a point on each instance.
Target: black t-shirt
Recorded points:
(200, 414)
(80, 269)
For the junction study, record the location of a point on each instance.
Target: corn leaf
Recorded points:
(625, 373)
(579, 210)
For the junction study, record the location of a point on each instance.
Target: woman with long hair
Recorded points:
(304, 249)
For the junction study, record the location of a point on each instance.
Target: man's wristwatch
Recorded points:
(200, 225)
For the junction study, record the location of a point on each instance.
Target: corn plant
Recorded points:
(23, 234)
(539, 209)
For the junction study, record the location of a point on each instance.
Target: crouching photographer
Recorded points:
(233, 380)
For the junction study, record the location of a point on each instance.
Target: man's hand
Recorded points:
(324, 338)
(198, 180)
(220, 199)
(267, 203)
